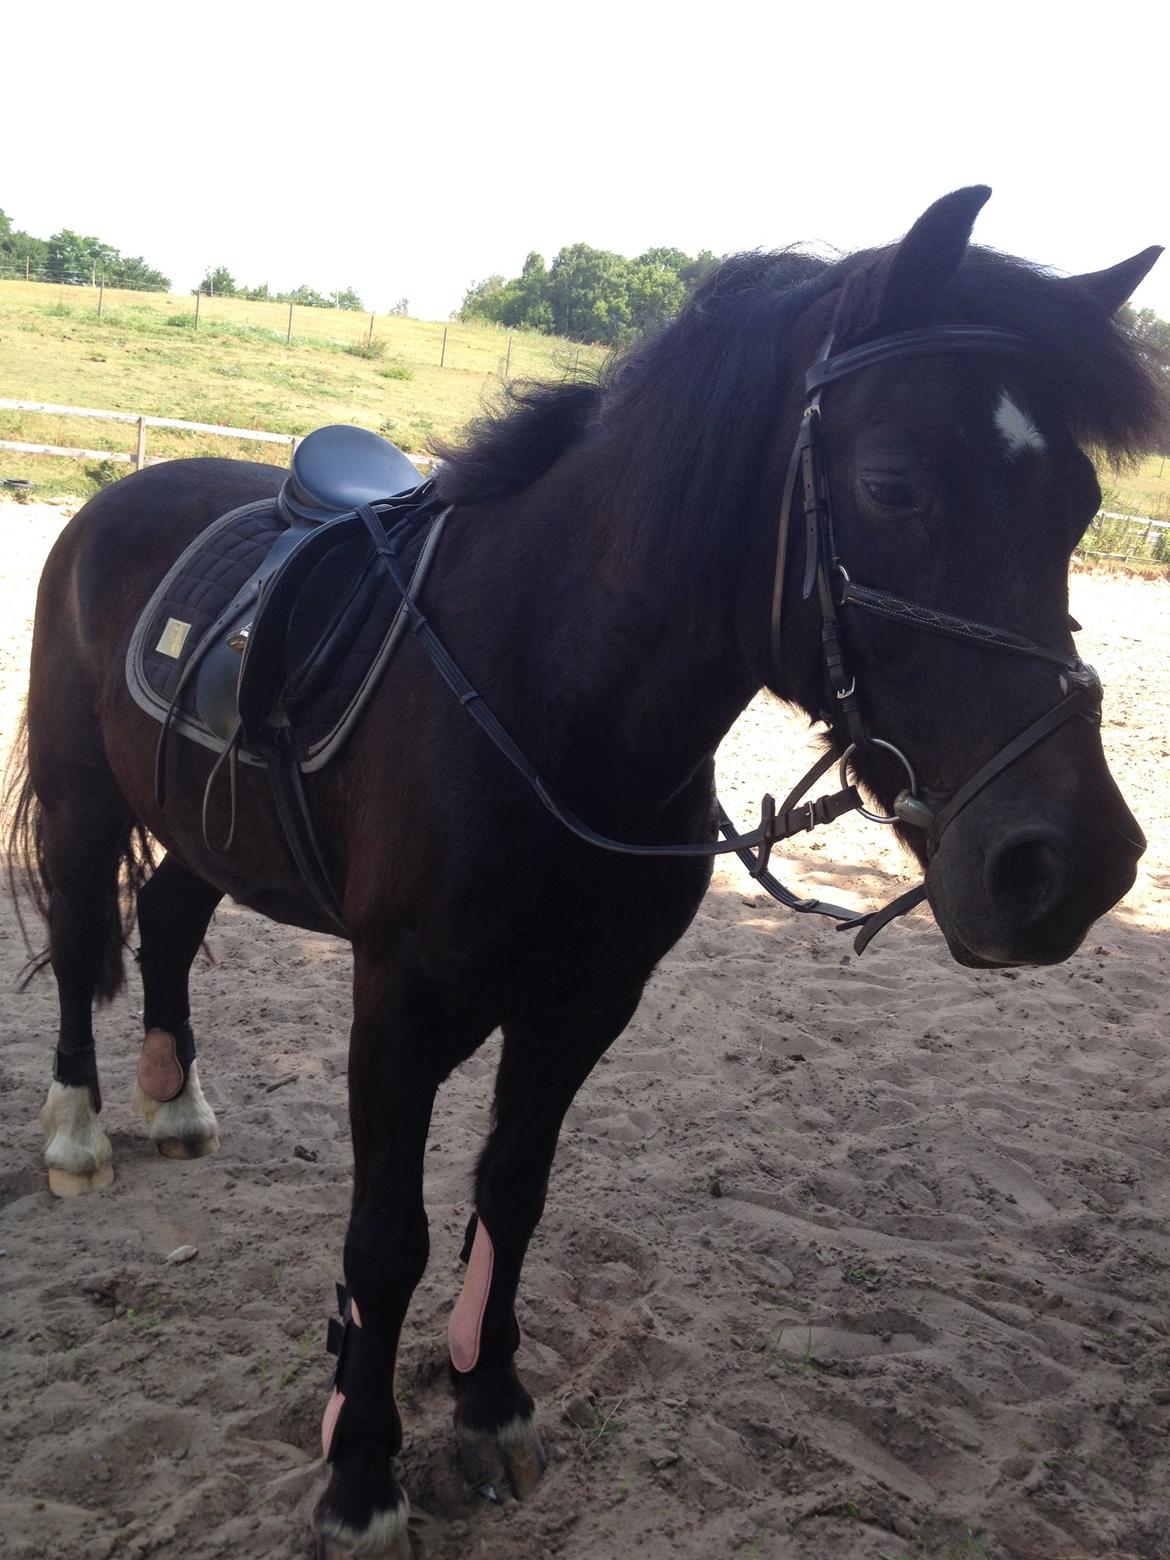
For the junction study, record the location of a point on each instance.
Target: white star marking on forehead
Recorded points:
(1019, 432)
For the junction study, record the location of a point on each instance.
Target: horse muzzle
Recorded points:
(1027, 891)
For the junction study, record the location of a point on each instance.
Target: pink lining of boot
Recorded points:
(336, 1400)
(160, 1072)
(467, 1318)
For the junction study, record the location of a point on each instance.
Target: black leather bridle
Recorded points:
(825, 573)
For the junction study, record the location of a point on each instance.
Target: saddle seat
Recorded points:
(337, 468)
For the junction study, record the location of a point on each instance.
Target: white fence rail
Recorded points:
(138, 457)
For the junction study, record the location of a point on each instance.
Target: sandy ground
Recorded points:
(843, 1259)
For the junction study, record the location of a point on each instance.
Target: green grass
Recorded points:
(144, 355)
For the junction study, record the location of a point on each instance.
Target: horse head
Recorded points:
(955, 484)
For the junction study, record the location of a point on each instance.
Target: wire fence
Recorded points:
(475, 346)
(23, 271)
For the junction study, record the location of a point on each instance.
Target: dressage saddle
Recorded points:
(292, 620)
(269, 634)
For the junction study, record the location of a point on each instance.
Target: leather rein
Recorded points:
(825, 573)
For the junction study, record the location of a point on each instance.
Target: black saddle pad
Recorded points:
(325, 691)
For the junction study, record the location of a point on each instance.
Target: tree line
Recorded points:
(589, 294)
(598, 296)
(74, 259)
(220, 283)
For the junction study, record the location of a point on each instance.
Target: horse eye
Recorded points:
(891, 495)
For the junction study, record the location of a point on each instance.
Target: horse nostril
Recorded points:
(1026, 874)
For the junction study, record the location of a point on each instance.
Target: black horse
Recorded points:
(609, 579)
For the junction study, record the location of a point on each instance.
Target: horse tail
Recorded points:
(30, 884)
(28, 878)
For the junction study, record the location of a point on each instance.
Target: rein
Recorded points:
(826, 574)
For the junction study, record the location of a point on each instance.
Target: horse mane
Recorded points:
(671, 380)
(689, 413)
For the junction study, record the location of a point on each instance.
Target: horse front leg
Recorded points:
(543, 1064)
(174, 911)
(403, 1044)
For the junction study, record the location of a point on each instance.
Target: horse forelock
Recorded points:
(1090, 373)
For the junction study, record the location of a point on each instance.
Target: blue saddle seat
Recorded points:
(335, 469)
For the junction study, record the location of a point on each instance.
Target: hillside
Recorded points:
(144, 355)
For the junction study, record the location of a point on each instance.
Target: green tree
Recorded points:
(78, 260)
(219, 283)
(133, 271)
(483, 300)
(307, 296)
(589, 294)
(19, 249)
(348, 299)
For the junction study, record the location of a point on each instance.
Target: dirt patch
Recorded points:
(843, 1259)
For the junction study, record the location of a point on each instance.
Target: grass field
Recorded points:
(144, 355)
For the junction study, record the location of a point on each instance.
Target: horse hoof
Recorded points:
(386, 1538)
(503, 1464)
(78, 1156)
(186, 1148)
(182, 1128)
(68, 1183)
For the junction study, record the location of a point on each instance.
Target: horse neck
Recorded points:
(636, 660)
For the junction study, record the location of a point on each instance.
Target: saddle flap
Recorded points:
(264, 667)
(339, 467)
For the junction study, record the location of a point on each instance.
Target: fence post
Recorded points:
(576, 364)
(288, 338)
(198, 295)
(140, 452)
(508, 359)
(370, 337)
(101, 295)
(443, 351)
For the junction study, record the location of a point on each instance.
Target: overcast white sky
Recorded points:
(410, 152)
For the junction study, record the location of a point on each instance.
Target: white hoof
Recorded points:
(182, 1128)
(78, 1155)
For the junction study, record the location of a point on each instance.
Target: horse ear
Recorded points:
(927, 258)
(1112, 287)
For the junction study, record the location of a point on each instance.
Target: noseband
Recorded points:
(825, 573)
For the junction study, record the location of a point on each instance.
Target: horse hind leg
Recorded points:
(83, 839)
(174, 910)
